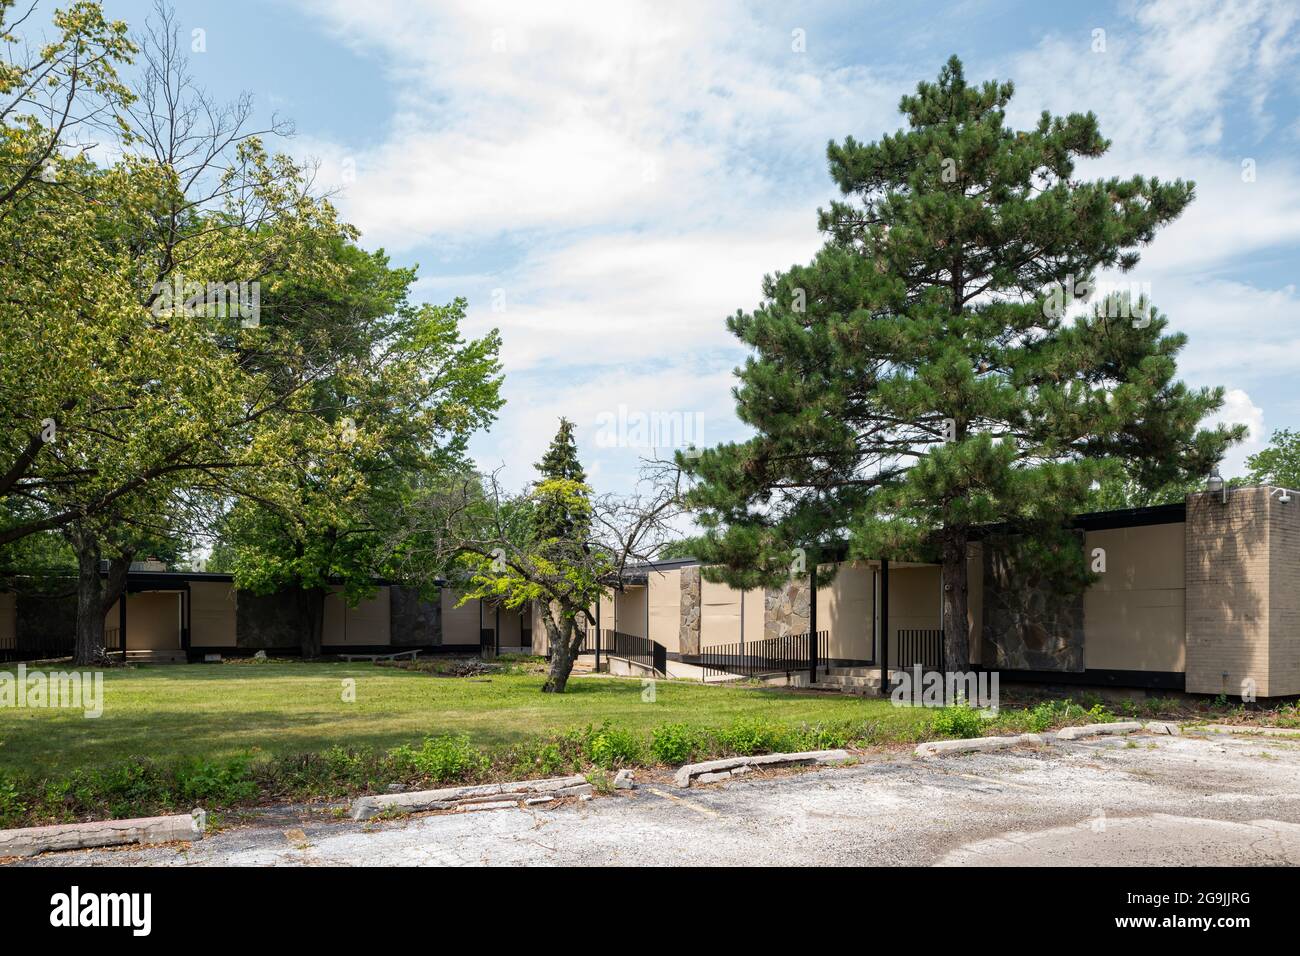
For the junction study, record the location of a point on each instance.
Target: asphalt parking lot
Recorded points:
(1142, 801)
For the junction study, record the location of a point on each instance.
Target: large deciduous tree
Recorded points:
(132, 370)
(403, 394)
(931, 370)
(1279, 463)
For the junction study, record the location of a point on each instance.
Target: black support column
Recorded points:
(812, 624)
(884, 626)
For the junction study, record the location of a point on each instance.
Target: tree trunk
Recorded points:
(313, 636)
(956, 629)
(563, 638)
(95, 595)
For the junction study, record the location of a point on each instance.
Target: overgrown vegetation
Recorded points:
(278, 733)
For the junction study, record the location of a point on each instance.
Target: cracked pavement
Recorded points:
(1141, 800)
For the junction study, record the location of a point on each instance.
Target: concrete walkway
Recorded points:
(1163, 800)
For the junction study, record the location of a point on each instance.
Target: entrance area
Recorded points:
(149, 624)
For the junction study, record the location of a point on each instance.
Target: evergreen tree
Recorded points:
(931, 370)
(552, 519)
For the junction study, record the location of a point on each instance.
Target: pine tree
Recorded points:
(931, 370)
(552, 519)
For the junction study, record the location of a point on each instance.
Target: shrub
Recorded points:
(444, 759)
(204, 781)
(959, 722)
(674, 743)
(1098, 713)
(614, 747)
(1042, 716)
(753, 735)
(824, 736)
(11, 807)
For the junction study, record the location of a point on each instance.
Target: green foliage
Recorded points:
(1047, 714)
(445, 759)
(918, 379)
(684, 548)
(959, 722)
(613, 747)
(11, 806)
(674, 743)
(405, 394)
(1279, 463)
(556, 516)
(752, 735)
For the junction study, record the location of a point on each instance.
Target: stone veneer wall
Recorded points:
(1028, 624)
(1229, 630)
(266, 621)
(414, 621)
(689, 633)
(785, 609)
(46, 620)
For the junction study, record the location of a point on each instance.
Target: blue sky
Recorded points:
(607, 182)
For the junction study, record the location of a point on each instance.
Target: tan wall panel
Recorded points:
(719, 614)
(845, 608)
(332, 629)
(212, 614)
(153, 621)
(511, 628)
(913, 599)
(630, 611)
(1134, 615)
(666, 608)
(540, 642)
(460, 624)
(755, 605)
(607, 612)
(370, 621)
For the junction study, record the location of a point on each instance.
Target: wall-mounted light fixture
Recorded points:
(1284, 498)
(1215, 485)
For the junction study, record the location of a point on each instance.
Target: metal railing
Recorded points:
(631, 647)
(38, 648)
(918, 647)
(773, 655)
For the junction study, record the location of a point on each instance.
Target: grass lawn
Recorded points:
(222, 710)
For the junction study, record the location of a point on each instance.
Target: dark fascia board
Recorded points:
(179, 577)
(1149, 680)
(668, 564)
(1175, 513)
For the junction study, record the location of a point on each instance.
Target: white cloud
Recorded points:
(627, 173)
(562, 117)
(624, 298)
(1238, 409)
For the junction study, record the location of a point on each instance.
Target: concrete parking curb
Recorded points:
(366, 808)
(711, 771)
(1162, 727)
(29, 841)
(1098, 730)
(944, 748)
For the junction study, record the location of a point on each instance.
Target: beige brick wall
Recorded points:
(1228, 592)
(1284, 596)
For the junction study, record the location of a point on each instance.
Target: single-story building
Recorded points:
(193, 615)
(1201, 596)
